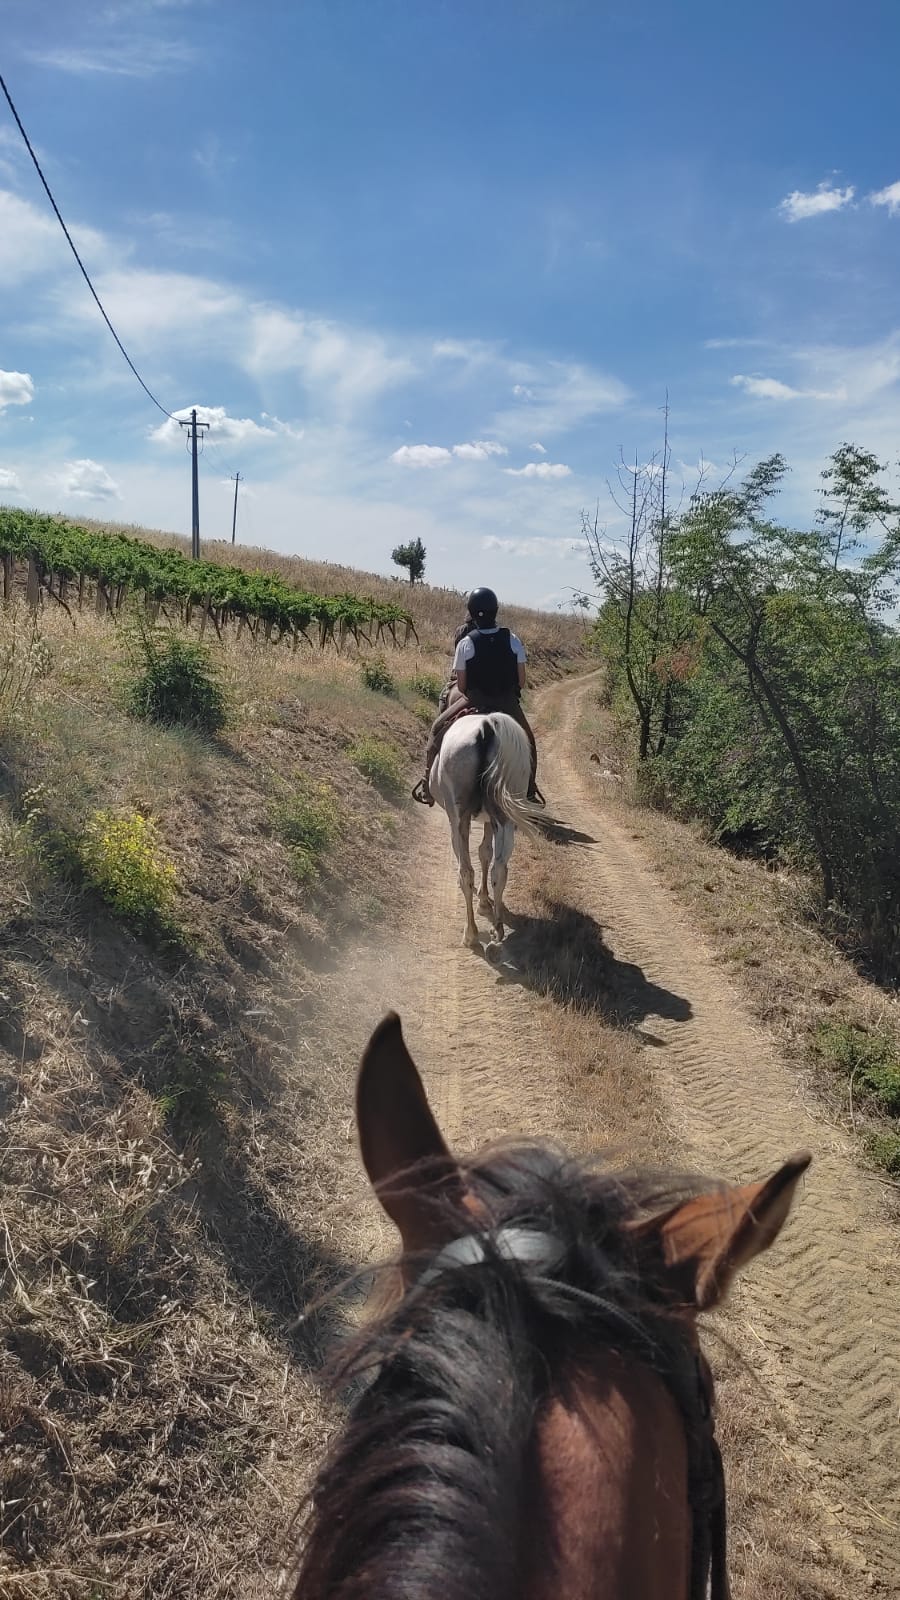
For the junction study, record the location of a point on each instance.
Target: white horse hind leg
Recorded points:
(459, 834)
(504, 839)
(485, 852)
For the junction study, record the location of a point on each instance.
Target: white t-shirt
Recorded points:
(465, 650)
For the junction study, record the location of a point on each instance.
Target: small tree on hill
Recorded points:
(411, 556)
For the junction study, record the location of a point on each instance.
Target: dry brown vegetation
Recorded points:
(175, 1152)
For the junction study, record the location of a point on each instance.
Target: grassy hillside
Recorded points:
(169, 903)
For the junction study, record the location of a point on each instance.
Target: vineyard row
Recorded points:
(62, 559)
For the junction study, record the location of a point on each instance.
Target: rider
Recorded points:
(489, 672)
(462, 632)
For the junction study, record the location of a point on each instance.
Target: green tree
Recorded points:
(644, 627)
(412, 557)
(797, 631)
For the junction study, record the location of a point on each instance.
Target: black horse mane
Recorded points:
(424, 1492)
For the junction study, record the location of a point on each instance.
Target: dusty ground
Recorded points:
(806, 1352)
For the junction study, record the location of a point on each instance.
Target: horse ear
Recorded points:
(406, 1158)
(706, 1241)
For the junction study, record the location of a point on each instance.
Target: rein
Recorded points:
(686, 1375)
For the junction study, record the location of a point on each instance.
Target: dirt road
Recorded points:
(817, 1319)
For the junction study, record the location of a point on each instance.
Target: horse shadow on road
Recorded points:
(564, 955)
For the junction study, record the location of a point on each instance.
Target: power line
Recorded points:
(84, 274)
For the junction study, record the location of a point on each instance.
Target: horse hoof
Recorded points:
(471, 940)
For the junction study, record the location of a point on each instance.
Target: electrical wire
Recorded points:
(81, 264)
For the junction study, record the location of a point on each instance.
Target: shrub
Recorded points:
(869, 1059)
(380, 763)
(376, 675)
(427, 685)
(177, 683)
(424, 711)
(885, 1149)
(120, 857)
(308, 822)
(194, 1090)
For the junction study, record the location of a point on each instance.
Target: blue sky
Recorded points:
(431, 264)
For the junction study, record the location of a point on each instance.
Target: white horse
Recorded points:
(483, 768)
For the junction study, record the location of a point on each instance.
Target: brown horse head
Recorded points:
(538, 1418)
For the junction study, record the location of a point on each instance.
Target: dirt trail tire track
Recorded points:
(824, 1307)
(454, 1012)
(817, 1319)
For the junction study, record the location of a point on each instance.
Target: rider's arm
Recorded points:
(459, 664)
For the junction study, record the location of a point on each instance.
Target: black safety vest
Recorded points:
(494, 668)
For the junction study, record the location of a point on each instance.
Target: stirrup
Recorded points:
(422, 793)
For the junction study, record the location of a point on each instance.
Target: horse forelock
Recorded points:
(426, 1490)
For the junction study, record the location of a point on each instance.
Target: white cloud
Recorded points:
(340, 366)
(472, 352)
(479, 450)
(797, 206)
(556, 398)
(702, 469)
(87, 480)
(10, 482)
(732, 344)
(764, 388)
(350, 366)
(143, 57)
(421, 455)
(889, 197)
(31, 242)
(16, 389)
(539, 469)
(773, 389)
(149, 307)
(537, 548)
(211, 156)
(538, 448)
(286, 428)
(239, 430)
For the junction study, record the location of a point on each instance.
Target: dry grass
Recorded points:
(763, 928)
(175, 1165)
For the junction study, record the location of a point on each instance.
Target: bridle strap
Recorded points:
(691, 1390)
(706, 1483)
(527, 1247)
(719, 1586)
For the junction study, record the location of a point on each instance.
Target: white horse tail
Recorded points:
(504, 772)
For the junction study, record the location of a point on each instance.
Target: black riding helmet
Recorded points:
(483, 604)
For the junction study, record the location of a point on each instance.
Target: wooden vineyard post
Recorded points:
(32, 585)
(7, 576)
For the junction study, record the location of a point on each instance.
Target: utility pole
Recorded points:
(237, 479)
(194, 426)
